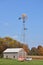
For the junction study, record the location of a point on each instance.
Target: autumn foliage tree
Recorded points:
(8, 42)
(25, 47)
(33, 51)
(40, 50)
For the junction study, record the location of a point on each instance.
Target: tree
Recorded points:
(33, 51)
(40, 50)
(25, 47)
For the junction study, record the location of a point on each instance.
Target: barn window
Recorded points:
(6, 56)
(13, 56)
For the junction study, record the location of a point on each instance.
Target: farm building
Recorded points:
(14, 53)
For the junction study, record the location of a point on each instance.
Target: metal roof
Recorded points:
(13, 50)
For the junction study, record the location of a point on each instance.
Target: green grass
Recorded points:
(15, 62)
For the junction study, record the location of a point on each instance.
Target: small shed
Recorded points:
(14, 53)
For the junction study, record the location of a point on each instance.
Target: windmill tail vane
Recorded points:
(19, 18)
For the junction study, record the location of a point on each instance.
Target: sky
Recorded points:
(11, 26)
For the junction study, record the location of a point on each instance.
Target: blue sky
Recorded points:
(11, 10)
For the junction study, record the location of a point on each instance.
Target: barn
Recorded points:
(14, 53)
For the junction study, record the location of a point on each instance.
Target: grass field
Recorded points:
(15, 62)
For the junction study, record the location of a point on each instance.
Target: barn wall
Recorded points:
(10, 55)
(22, 53)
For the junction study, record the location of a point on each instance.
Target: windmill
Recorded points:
(24, 18)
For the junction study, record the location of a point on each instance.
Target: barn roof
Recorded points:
(12, 50)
